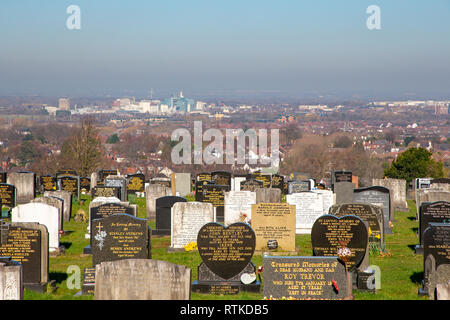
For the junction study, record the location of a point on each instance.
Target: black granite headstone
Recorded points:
(329, 233)
(221, 178)
(163, 214)
(304, 278)
(7, 195)
(379, 196)
(69, 184)
(136, 183)
(118, 237)
(251, 185)
(436, 251)
(101, 191)
(226, 252)
(85, 185)
(48, 183)
(215, 194)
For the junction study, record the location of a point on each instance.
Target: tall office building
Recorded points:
(64, 104)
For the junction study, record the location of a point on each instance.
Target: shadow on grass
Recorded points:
(415, 229)
(413, 218)
(412, 247)
(417, 277)
(66, 245)
(58, 276)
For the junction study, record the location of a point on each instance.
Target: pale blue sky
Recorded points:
(292, 46)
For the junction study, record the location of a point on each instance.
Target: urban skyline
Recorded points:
(232, 49)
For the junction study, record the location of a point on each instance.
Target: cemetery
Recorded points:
(221, 236)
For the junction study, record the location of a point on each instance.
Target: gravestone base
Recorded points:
(40, 287)
(418, 249)
(161, 232)
(87, 250)
(361, 282)
(277, 253)
(224, 287)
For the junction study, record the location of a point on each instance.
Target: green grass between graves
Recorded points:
(401, 273)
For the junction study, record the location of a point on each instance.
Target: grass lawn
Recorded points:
(401, 273)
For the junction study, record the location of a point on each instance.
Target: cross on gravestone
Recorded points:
(120, 236)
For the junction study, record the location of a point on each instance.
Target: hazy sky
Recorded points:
(292, 46)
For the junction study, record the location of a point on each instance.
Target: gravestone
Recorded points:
(344, 192)
(119, 237)
(268, 195)
(439, 284)
(11, 282)
(163, 214)
(265, 178)
(118, 182)
(25, 183)
(67, 198)
(328, 199)
(430, 195)
(274, 226)
(299, 176)
(251, 185)
(226, 254)
(199, 190)
(183, 184)
(153, 192)
(104, 173)
(397, 188)
(7, 195)
(204, 176)
(43, 214)
(341, 176)
(238, 179)
(94, 178)
(142, 279)
(215, 194)
(297, 186)
(66, 172)
(3, 177)
(278, 182)
(136, 183)
(378, 196)
(85, 185)
(187, 219)
(329, 233)
(238, 206)
(106, 192)
(222, 178)
(308, 207)
(368, 213)
(58, 203)
(437, 212)
(441, 184)
(48, 183)
(27, 243)
(304, 278)
(436, 253)
(162, 180)
(69, 184)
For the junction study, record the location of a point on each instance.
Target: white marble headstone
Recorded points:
(238, 206)
(308, 207)
(41, 213)
(187, 220)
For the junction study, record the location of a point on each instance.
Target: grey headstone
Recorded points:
(344, 192)
(142, 279)
(268, 195)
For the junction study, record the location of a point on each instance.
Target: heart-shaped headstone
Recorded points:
(226, 251)
(329, 233)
